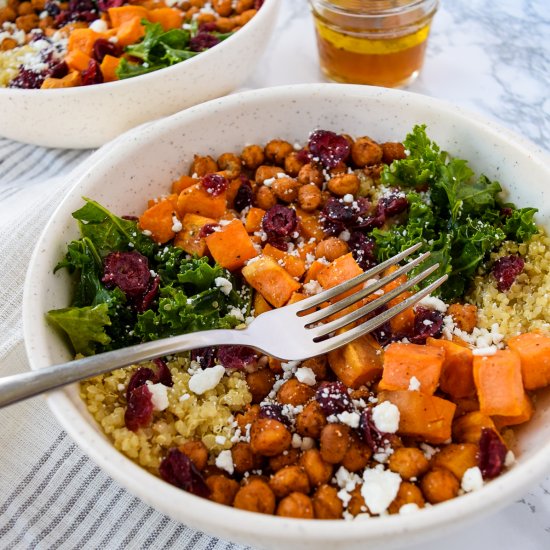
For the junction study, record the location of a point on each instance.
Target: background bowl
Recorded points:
(145, 161)
(89, 116)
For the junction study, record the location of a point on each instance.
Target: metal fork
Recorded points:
(293, 332)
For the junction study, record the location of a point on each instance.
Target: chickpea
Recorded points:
(255, 496)
(8, 44)
(408, 493)
(296, 505)
(265, 172)
(225, 24)
(326, 503)
(331, 248)
(38, 5)
(252, 156)
(7, 14)
(277, 149)
(318, 471)
(334, 442)
(244, 459)
(243, 5)
(357, 456)
(311, 174)
(265, 198)
(340, 168)
(222, 489)
(293, 164)
(408, 462)
(294, 392)
(197, 3)
(231, 164)
(275, 365)
(311, 420)
(196, 450)
(247, 417)
(290, 479)
(25, 8)
(309, 197)
(244, 17)
(286, 189)
(392, 151)
(27, 22)
(439, 485)
(286, 458)
(365, 152)
(464, 315)
(344, 184)
(269, 437)
(203, 165)
(318, 365)
(260, 383)
(357, 505)
(222, 7)
(373, 172)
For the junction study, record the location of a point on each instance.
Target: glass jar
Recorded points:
(377, 42)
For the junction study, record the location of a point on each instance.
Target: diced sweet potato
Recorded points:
(77, 60)
(358, 362)
(108, 67)
(457, 378)
(169, 18)
(467, 428)
(253, 221)
(296, 297)
(464, 315)
(306, 249)
(424, 416)
(122, 14)
(231, 246)
(260, 304)
(403, 361)
(534, 351)
(83, 40)
(129, 32)
(309, 225)
(525, 415)
(457, 458)
(498, 382)
(313, 271)
(189, 237)
(271, 280)
(68, 81)
(196, 200)
(182, 183)
(340, 270)
(293, 264)
(158, 219)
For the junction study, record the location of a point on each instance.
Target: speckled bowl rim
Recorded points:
(212, 517)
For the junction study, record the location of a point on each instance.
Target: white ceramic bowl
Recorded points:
(89, 116)
(145, 161)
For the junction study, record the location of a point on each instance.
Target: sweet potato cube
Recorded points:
(525, 415)
(182, 183)
(313, 271)
(534, 351)
(129, 32)
(498, 382)
(189, 237)
(169, 18)
(293, 264)
(423, 416)
(340, 270)
(403, 361)
(77, 60)
(253, 221)
(457, 458)
(457, 378)
(309, 225)
(108, 66)
(271, 280)
(159, 220)
(467, 428)
(358, 362)
(464, 315)
(83, 40)
(120, 15)
(196, 200)
(260, 304)
(68, 81)
(231, 246)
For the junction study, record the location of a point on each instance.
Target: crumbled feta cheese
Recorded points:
(220, 439)
(431, 302)
(159, 396)
(176, 225)
(428, 450)
(224, 461)
(408, 508)
(206, 379)
(237, 313)
(346, 480)
(348, 198)
(414, 384)
(472, 480)
(489, 350)
(306, 376)
(386, 417)
(351, 419)
(312, 287)
(224, 285)
(98, 26)
(379, 488)
(509, 459)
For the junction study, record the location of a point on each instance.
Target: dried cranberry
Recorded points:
(104, 5)
(273, 411)
(505, 270)
(336, 210)
(163, 374)
(506, 212)
(203, 41)
(82, 10)
(362, 249)
(92, 74)
(303, 156)
(62, 18)
(279, 243)
(52, 8)
(205, 357)
(279, 221)
(427, 323)
(492, 453)
(258, 4)
(103, 47)
(329, 147)
(139, 408)
(244, 197)
(127, 270)
(59, 70)
(236, 357)
(208, 229)
(178, 469)
(142, 303)
(383, 334)
(333, 398)
(27, 79)
(130, 218)
(214, 184)
(393, 204)
(142, 375)
(368, 431)
(376, 220)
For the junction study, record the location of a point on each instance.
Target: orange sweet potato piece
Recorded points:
(260, 304)
(457, 458)
(457, 378)
(169, 18)
(423, 416)
(307, 248)
(158, 219)
(534, 351)
(77, 60)
(403, 361)
(196, 200)
(498, 382)
(525, 415)
(83, 40)
(68, 81)
(309, 225)
(467, 428)
(231, 246)
(296, 297)
(342, 269)
(313, 271)
(293, 264)
(358, 362)
(464, 315)
(130, 32)
(253, 221)
(108, 67)
(189, 237)
(123, 14)
(271, 280)
(183, 183)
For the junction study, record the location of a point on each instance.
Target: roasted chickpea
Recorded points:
(230, 164)
(316, 468)
(243, 18)
(311, 420)
(198, 453)
(288, 480)
(7, 44)
(331, 248)
(269, 437)
(203, 165)
(340, 168)
(265, 172)
(326, 503)
(25, 8)
(392, 151)
(276, 150)
(309, 197)
(293, 164)
(265, 198)
(408, 493)
(222, 7)
(286, 189)
(293, 392)
(203, 18)
(365, 152)
(357, 505)
(286, 458)
(225, 24)
(457, 458)
(27, 22)
(318, 365)
(38, 5)
(247, 417)
(255, 496)
(275, 365)
(464, 315)
(197, 3)
(373, 172)
(222, 489)
(408, 462)
(334, 442)
(439, 485)
(296, 505)
(260, 383)
(244, 460)
(344, 184)
(311, 174)
(243, 5)
(357, 456)
(252, 156)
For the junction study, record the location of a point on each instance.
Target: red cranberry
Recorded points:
(103, 47)
(279, 221)
(203, 41)
(505, 271)
(139, 408)
(142, 303)
(59, 70)
(333, 398)
(492, 454)
(208, 229)
(52, 8)
(303, 155)
(427, 323)
(178, 469)
(27, 79)
(163, 374)
(330, 148)
(368, 431)
(393, 204)
(92, 74)
(244, 197)
(236, 357)
(336, 210)
(205, 357)
(127, 270)
(506, 212)
(104, 5)
(274, 411)
(142, 375)
(214, 184)
(362, 249)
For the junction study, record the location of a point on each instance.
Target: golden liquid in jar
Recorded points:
(389, 62)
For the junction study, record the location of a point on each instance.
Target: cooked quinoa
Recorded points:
(526, 306)
(188, 416)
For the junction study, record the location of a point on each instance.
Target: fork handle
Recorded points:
(28, 384)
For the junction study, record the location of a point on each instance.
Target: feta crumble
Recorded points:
(414, 384)
(159, 396)
(386, 417)
(224, 461)
(472, 480)
(206, 379)
(379, 488)
(306, 376)
(224, 285)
